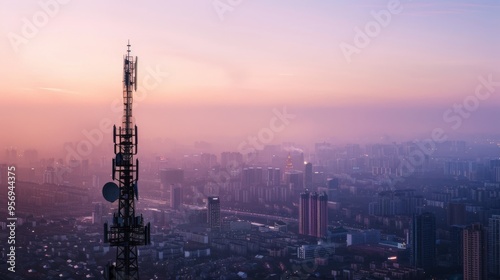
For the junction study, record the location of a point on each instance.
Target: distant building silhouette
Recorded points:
(208, 160)
(294, 179)
(252, 176)
(97, 213)
(289, 163)
(398, 202)
(495, 169)
(49, 175)
(304, 213)
(273, 177)
(213, 212)
(168, 178)
(322, 215)
(175, 196)
(474, 252)
(423, 241)
(313, 214)
(456, 246)
(456, 213)
(308, 175)
(231, 160)
(494, 246)
(171, 176)
(333, 189)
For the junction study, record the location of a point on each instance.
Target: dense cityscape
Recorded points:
(341, 212)
(233, 139)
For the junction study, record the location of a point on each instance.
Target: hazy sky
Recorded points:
(216, 70)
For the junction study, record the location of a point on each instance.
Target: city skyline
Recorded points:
(202, 63)
(312, 140)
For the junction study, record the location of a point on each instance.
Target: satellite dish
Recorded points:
(136, 191)
(110, 191)
(135, 74)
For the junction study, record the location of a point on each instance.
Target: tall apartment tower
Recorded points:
(494, 246)
(273, 176)
(313, 214)
(175, 196)
(333, 189)
(308, 175)
(322, 214)
(475, 252)
(423, 241)
(457, 245)
(304, 213)
(213, 212)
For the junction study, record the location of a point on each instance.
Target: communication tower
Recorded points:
(127, 230)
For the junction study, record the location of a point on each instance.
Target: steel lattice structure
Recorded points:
(127, 230)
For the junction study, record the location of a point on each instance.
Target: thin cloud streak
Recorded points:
(58, 90)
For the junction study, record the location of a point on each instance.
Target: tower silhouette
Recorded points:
(127, 230)
(423, 241)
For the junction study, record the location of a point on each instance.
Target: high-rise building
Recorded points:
(322, 214)
(304, 213)
(208, 160)
(49, 176)
(171, 176)
(495, 170)
(270, 176)
(474, 252)
(308, 175)
(251, 176)
(494, 246)
(97, 213)
(273, 177)
(175, 196)
(231, 160)
(213, 212)
(313, 214)
(333, 189)
(456, 246)
(423, 241)
(294, 179)
(456, 213)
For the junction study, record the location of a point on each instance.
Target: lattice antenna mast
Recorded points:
(127, 230)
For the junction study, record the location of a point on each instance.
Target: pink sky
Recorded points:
(260, 56)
